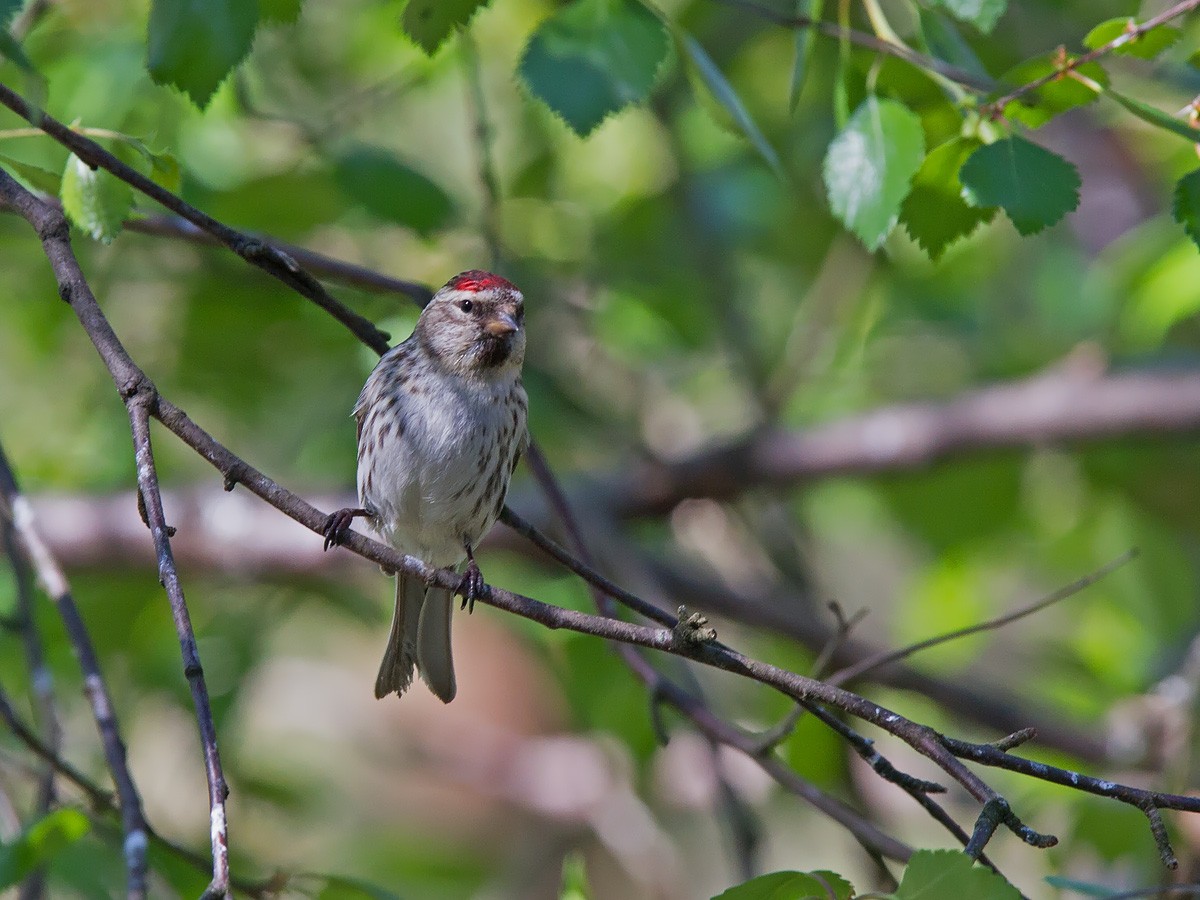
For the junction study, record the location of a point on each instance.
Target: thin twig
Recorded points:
(15, 509)
(888, 657)
(996, 107)
(140, 398)
(865, 40)
(41, 682)
(103, 801)
(147, 474)
(483, 144)
(254, 251)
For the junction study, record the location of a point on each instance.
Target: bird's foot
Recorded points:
(338, 524)
(471, 587)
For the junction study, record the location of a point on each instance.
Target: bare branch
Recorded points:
(1061, 406)
(885, 658)
(15, 510)
(140, 398)
(254, 251)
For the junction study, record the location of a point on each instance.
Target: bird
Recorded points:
(442, 422)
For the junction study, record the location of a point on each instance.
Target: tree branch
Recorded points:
(1062, 406)
(140, 397)
(254, 251)
(15, 510)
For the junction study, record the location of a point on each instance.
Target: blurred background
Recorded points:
(680, 295)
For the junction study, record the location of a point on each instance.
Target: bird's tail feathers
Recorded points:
(434, 659)
(396, 672)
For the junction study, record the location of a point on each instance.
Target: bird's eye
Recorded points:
(465, 305)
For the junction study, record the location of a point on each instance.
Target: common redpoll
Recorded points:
(441, 425)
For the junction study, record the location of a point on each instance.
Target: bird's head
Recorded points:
(475, 325)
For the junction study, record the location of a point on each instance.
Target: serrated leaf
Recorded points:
(823, 885)
(1033, 186)
(712, 80)
(951, 875)
(1155, 116)
(40, 179)
(1038, 107)
(1145, 46)
(391, 190)
(95, 201)
(983, 14)
(194, 44)
(1185, 205)
(803, 40)
(283, 11)
(869, 167)
(39, 843)
(430, 22)
(934, 213)
(593, 58)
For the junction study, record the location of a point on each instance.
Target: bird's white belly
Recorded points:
(429, 483)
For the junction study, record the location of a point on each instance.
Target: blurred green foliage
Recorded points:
(690, 278)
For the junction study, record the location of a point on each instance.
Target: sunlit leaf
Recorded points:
(593, 58)
(1145, 46)
(97, 202)
(821, 885)
(39, 843)
(934, 213)
(1062, 93)
(35, 176)
(1034, 187)
(193, 44)
(430, 22)
(869, 167)
(951, 875)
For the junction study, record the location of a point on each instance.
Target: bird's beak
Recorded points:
(502, 325)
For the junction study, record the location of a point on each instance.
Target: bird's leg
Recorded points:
(472, 583)
(339, 522)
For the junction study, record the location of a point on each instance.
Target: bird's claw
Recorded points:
(337, 525)
(471, 587)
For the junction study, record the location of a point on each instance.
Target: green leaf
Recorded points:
(391, 190)
(283, 11)
(340, 887)
(1037, 108)
(193, 44)
(934, 212)
(1185, 206)
(1035, 187)
(951, 875)
(1155, 116)
(35, 176)
(430, 22)
(8, 9)
(39, 843)
(983, 14)
(943, 40)
(593, 58)
(574, 878)
(821, 885)
(869, 166)
(803, 38)
(1145, 46)
(716, 88)
(94, 200)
